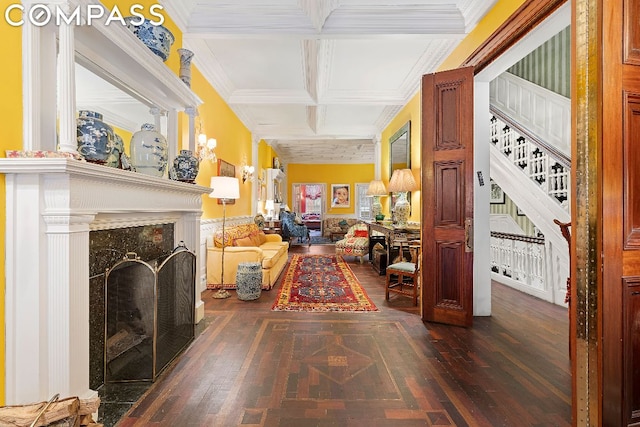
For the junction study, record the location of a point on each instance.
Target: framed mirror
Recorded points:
(400, 149)
(400, 153)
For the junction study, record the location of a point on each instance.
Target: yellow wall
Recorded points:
(234, 146)
(330, 174)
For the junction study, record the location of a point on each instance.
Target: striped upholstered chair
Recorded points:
(355, 242)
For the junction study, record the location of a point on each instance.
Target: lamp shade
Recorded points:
(269, 205)
(402, 180)
(225, 187)
(376, 188)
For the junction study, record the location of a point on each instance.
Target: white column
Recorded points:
(39, 96)
(68, 305)
(481, 227)
(255, 185)
(172, 135)
(187, 229)
(192, 113)
(67, 87)
(25, 284)
(377, 156)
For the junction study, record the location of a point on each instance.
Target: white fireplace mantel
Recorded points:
(52, 205)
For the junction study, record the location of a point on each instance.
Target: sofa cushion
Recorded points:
(233, 233)
(244, 241)
(255, 239)
(262, 238)
(360, 233)
(273, 245)
(272, 255)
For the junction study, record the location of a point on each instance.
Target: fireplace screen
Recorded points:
(149, 314)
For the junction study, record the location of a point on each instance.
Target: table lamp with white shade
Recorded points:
(224, 188)
(377, 189)
(269, 206)
(401, 182)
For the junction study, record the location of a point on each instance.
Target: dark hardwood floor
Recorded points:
(255, 367)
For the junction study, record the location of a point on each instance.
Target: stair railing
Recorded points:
(547, 167)
(520, 259)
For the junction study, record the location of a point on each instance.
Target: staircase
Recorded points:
(529, 152)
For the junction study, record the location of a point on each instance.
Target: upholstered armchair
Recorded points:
(291, 229)
(355, 242)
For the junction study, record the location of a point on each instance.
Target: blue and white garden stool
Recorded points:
(249, 281)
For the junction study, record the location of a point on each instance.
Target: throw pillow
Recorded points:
(298, 220)
(255, 239)
(361, 233)
(244, 241)
(262, 238)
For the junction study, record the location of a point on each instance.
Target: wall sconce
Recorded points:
(206, 148)
(247, 173)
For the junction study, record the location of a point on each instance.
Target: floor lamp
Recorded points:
(224, 188)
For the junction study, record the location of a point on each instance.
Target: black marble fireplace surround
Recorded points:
(106, 248)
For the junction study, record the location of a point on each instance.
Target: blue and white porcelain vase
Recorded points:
(156, 37)
(96, 139)
(114, 160)
(185, 65)
(185, 166)
(149, 151)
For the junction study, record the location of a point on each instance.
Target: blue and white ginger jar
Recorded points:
(118, 149)
(185, 166)
(149, 151)
(156, 37)
(96, 139)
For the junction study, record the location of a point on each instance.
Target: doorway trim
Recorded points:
(518, 27)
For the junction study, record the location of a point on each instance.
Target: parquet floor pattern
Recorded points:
(255, 367)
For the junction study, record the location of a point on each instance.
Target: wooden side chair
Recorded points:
(403, 277)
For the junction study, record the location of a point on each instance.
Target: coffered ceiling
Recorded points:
(320, 79)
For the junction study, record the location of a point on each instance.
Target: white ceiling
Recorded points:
(320, 79)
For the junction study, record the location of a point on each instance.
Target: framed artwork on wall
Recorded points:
(226, 169)
(497, 195)
(340, 195)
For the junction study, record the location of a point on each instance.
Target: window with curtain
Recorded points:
(363, 203)
(309, 198)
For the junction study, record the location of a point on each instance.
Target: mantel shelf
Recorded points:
(117, 55)
(92, 172)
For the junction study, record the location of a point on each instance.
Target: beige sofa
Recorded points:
(332, 225)
(245, 243)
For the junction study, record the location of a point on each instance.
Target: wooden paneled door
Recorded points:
(447, 197)
(620, 219)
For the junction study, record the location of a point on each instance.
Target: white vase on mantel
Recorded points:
(149, 151)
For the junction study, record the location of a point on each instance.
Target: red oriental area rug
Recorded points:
(321, 283)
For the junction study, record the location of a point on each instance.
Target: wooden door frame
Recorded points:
(586, 363)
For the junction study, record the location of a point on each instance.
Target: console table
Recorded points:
(276, 228)
(389, 234)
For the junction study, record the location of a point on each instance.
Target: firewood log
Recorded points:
(65, 412)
